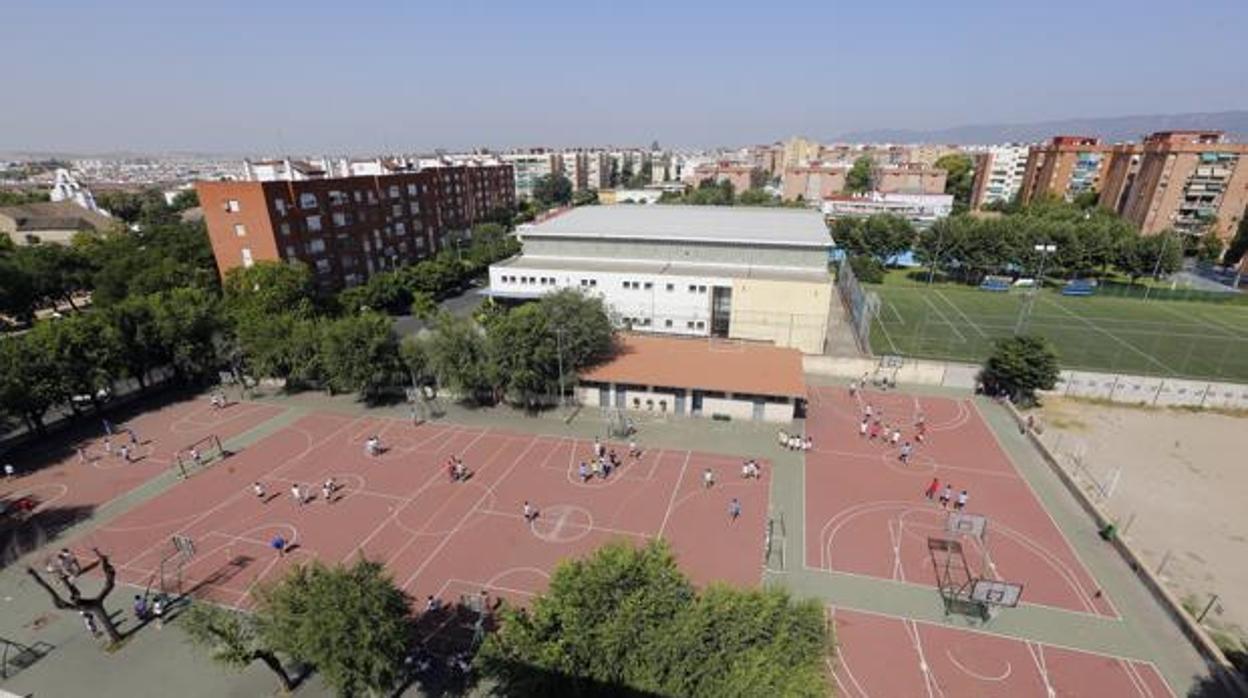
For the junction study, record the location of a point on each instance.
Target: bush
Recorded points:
(868, 269)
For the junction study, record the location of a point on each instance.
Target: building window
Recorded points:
(394, 191)
(689, 325)
(307, 200)
(340, 219)
(400, 228)
(701, 325)
(667, 323)
(420, 243)
(649, 285)
(314, 224)
(414, 207)
(280, 204)
(247, 260)
(316, 246)
(671, 287)
(359, 196)
(240, 230)
(322, 266)
(291, 252)
(701, 289)
(693, 288)
(232, 206)
(337, 198)
(284, 228)
(411, 190)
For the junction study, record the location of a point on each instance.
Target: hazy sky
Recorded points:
(272, 75)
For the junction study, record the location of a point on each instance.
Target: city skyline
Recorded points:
(317, 77)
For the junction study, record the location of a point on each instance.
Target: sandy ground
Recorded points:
(1177, 483)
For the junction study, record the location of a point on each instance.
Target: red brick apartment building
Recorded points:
(1065, 167)
(347, 228)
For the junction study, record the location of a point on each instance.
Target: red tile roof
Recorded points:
(703, 364)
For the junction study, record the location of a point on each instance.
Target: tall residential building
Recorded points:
(909, 178)
(1065, 167)
(1186, 180)
(347, 228)
(999, 173)
(798, 151)
(528, 168)
(720, 171)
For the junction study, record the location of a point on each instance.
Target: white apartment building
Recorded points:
(1006, 165)
(741, 273)
(528, 168)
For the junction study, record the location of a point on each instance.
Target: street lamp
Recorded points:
(1025, 314)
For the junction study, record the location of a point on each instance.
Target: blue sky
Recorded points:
(273, 75)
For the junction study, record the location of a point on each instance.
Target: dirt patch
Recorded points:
(1174, 480)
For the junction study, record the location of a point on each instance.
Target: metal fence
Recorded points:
(863, 305)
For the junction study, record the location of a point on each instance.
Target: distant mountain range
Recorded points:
(1111, 129)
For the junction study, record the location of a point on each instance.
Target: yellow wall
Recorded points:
(788, 313)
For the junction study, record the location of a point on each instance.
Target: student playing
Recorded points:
(583, 471)
(296, 492)
(734, 509)
(708, 479)
(906, 448)
(279, 544)
(862, 427)
(530, 513)
(9, 471)
(258, 488)
(327, 490)
(961, 503)
(783, 437)
(930, 492)
(808, 444)
(633, 450)
(945, 495)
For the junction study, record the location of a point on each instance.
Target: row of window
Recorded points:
(542, 280)
(645, 322)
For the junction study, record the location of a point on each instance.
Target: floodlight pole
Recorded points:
(1165, 240)
(559, 348)
(1025, 314)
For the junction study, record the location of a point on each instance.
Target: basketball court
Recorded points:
(888, 656)
(60, 482)
(450, 539)
(867, 513)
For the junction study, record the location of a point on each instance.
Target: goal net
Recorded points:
(199, 454)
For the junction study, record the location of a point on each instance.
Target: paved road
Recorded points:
(462, 305)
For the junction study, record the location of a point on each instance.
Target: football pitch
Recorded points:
(1125, 335)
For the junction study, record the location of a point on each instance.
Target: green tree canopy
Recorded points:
(360, 354)
(858, 179)
(959, 178)
(1019, 366)
(1239, 244)
(552, 190)
(460, 358)
(269, 288)
(882, 236)
(187, 198)
(351, 623)
(626, 619)
(232, 640)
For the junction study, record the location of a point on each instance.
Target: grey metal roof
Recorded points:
(743, 271)
(725, 224)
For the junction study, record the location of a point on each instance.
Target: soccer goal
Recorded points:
(199, 454)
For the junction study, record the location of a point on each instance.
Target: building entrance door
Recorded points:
(604, 396)
(696, 409)
(758, 410)
(680, 403)
(721, 310)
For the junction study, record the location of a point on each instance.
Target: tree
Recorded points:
(414, 353)
(233, 640)
(626, 620)
(17, 289)
(187, 198)
(552, 190)
(959, 178)
(1156, 255)
(360, 354)
(1019, 366)
(585, 197)
(460, 358)
(754, 197)
(75, 601)
(351, 623)
(1239, 244)
(1209, 248)
(30, 380)
(86, 350)
(882, 235)
(186, 323)
(858, 179)
(56, 271)
(759, 179)
(269, 288)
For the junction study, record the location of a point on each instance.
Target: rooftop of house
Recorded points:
(723, 224)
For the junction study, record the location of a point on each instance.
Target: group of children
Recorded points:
(125, 451)
(946, 495)
(456, 470)
(794, 442)
(604, 461)
(873, 427)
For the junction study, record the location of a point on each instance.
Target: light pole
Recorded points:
(940, 236)
(1025, 314)
(559, 352)
(1165, 240)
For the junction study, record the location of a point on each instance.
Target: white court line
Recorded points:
(944, 318)
(960, 313)
(1111, 335)
(489, 491)
(672, 500)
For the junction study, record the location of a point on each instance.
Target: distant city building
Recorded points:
(743, 273)
(610, 197)
(999, 173)
(813, 181)
(50, 222)
(528, 168)
(66, 188)
(922, 210)
(722, 171)
(1191, 181)
(1065, 167)
(908, 178)
(345, 228)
